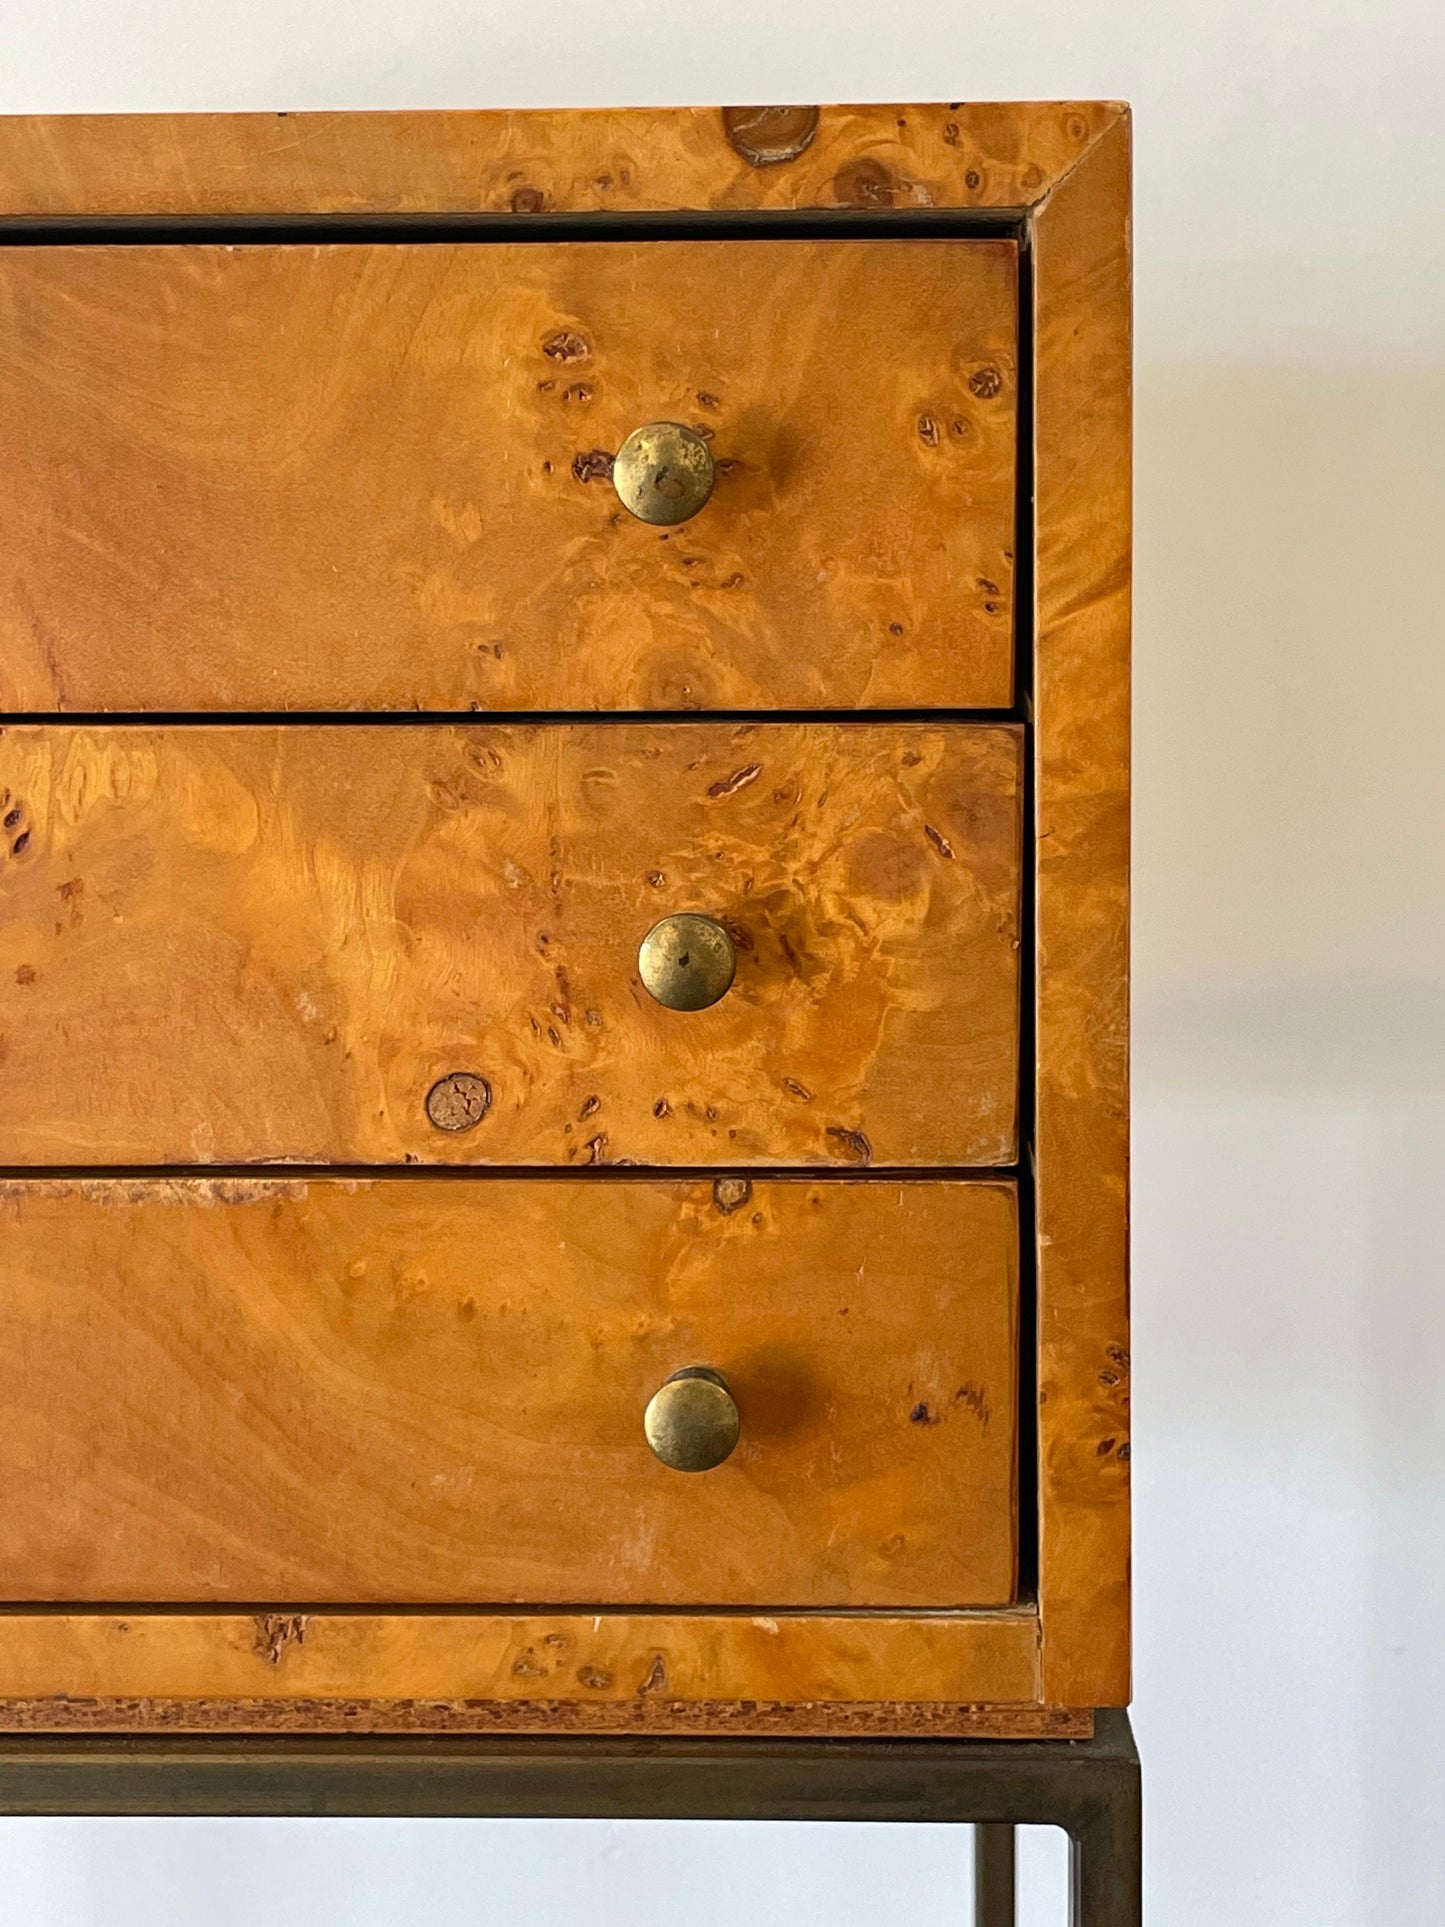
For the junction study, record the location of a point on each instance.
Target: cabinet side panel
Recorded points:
(1082, 312)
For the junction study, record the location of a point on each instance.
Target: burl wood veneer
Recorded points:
(428, 1393)
(377, 477)
(317, 412)
(239, 944)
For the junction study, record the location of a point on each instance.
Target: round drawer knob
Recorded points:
(663, 472)
(687, 962)
(691, 1422)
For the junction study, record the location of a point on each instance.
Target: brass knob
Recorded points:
(663, 472)
(691, 1422)
(687, 962)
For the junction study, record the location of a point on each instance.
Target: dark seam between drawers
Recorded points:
(399, 230)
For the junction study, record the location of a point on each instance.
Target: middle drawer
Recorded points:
(343, 944)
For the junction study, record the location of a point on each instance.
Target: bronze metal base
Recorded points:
(1091, 1788)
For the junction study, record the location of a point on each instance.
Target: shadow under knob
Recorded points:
(663, 472)
(691, 1421)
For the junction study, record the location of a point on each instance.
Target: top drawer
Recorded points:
(379, 476)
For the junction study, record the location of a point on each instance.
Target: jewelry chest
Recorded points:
(563, 921)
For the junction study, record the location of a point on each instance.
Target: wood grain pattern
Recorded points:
(1066, 164)
(233, 944)
(485, 1671)
(1081, 253)
(961, 155)
(432, 1393)
(345, 477)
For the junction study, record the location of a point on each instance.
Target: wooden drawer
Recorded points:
(237, 944)
(433, 1391)
(377, 476)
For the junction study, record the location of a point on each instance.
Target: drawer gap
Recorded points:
(716, 225)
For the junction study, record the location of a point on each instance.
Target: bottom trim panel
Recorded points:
(487, 1672)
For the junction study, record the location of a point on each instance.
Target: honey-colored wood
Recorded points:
(230, 944)
(1082, 410)
(433, 1393)
(1063, 169)
(960, 156)
(378, 477)
(485, 1671)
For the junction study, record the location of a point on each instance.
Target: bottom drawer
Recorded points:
(431, 1391)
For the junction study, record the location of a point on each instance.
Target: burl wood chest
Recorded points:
(563, 920)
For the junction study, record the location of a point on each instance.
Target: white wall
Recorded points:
(1290, 1151)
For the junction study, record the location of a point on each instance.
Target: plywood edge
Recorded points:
(425, 1671)
(962, 156)
(1082, 479)
(863, 1719)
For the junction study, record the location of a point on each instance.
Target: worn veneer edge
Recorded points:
(629, 1668)
(858, 1719)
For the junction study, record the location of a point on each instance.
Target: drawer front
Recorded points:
(433, 1391)
(273, 477)
(385, 944)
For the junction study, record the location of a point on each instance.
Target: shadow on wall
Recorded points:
(1290, 1139)
(1290, 819)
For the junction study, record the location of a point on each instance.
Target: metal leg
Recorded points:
(993, 1876)
(1106, 1861)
